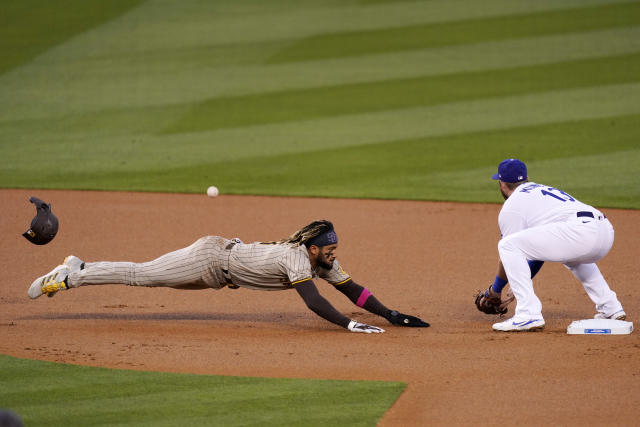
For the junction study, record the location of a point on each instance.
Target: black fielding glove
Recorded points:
(401, 319)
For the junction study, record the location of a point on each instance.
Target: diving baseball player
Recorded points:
(539, 223)
(214, 262)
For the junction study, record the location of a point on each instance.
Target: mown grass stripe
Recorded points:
(454, 118)
(121, 153)
(450, 167)
(295, 105)
(456, 167)
(161, 24)
(30, 27)
(107, 87)
(450, 33)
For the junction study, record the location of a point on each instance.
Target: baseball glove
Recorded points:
(491, 302)
(401, 319)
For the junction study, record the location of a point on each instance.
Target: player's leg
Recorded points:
(539, 243)
(566, 242)
(589, 274)
(190, 267)
(149, 274)
(193, 267)
(556, 242)
(597, 288)
(514, 261)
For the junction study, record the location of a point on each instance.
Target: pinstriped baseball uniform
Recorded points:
(214, 262)
(275, 267)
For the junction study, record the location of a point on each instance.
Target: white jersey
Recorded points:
(532, 204)
(273, 266)
(543, 223)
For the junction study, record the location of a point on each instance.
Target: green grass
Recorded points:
(365, 98)
(304, 104)
(427, 163)
(386, 99)
(30, 27)
(373, 170)
(460, 32)
(54, 394)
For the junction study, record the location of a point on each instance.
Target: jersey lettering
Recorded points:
(533, 204)
(562, 196)
(530, 187)
(549, 191)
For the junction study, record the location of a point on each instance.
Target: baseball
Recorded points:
(212, 191)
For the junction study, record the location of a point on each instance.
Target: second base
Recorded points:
(600, 327)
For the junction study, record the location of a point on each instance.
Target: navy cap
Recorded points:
(511, 170)
(44, 226)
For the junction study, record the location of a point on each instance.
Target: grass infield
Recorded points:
(55, 394)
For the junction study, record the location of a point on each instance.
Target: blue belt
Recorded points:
(589, 214)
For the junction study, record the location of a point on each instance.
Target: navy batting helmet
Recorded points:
(44, 225)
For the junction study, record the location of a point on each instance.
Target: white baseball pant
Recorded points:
(577, 243)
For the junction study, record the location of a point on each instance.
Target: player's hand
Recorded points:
(491, 302)
(361, 327)
(401, 319)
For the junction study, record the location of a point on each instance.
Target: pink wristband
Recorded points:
(363, 297)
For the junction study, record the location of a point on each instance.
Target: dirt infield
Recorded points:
(422, 258)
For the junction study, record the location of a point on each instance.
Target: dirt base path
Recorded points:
(422, 258)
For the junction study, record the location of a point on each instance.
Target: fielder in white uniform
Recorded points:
(213, 262)
(539, 223)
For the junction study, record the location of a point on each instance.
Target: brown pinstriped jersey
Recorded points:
(274, 267)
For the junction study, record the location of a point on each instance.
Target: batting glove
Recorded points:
(361, 327)
(401, 319)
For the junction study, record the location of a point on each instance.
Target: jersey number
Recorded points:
(563, 197)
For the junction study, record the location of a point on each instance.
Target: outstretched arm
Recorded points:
(323, 308)
(361, 297)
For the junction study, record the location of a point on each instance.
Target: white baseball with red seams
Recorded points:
(212, 191)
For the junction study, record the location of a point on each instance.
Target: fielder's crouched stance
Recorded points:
(541, 223)
(215, 262)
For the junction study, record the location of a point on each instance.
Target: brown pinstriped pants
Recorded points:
(195, 267)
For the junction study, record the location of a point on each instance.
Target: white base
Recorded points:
(600, 327)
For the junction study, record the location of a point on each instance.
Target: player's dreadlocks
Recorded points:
(308, 232)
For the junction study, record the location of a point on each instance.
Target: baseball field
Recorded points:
(386, 117)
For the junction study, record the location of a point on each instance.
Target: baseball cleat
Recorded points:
(619, 315)
(74, 263)
(518, 324)
(49, 284)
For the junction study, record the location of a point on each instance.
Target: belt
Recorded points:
(225, 267)
(590, 215)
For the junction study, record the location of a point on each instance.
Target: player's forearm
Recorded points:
(324, 309)
(501, 273)
(319, 305)
(361, 297)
